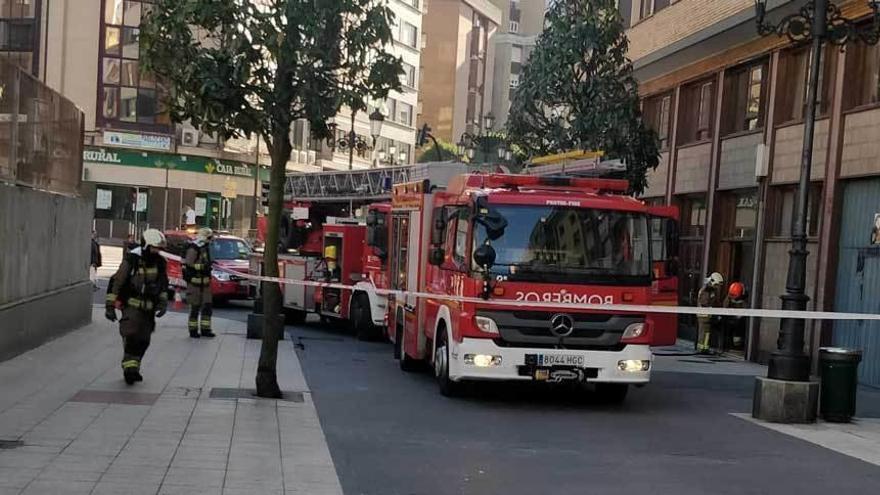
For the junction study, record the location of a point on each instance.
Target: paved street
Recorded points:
(392, 433)
(389, 432)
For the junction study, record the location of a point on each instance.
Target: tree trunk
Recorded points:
(267, 379)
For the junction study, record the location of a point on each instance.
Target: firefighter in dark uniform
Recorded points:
(140, 290)
(197, 274)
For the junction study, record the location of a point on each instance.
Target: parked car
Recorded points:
(227, 251)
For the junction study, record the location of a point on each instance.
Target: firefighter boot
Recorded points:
(131, 371)
(193, 323)
(206, 322)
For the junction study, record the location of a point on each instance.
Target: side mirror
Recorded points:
(484, 256)
(438, 227)
(436, 257)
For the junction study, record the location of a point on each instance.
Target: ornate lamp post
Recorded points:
(376, 122)
(818, 22)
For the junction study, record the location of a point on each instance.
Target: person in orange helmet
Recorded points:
(735, 326)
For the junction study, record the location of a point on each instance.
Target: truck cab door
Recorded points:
(664, 289)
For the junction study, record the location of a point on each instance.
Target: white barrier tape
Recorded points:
(628, 308)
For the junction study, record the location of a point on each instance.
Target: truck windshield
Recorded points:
(573, 245)
(229, 249)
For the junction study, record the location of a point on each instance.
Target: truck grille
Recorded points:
(533, 329)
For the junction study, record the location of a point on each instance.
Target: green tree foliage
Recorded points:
(447, 153)
(577, 91)
(245, 67)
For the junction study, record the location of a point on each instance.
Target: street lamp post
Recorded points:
(818, 22)
(468, 143)
(376, 122)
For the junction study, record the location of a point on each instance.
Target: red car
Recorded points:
(227, 251)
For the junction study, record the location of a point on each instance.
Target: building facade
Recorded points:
(522, 21)
(729, 108)
(145, 171)
(458, 70)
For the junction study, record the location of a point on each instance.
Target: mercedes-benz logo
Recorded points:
(561, 325)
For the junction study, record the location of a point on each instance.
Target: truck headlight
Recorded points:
(486, 325)
(634, 365)
(634, 331)
(220, 275)
(482, 360)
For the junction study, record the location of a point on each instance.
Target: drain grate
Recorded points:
(249, 393)
(115, 397)
(10, 444)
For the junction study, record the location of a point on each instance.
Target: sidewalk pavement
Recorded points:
(69, 424)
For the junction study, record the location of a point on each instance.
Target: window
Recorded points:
(404, 113)
(412, 3)
(127, 94)
(793, 77)
(696, 112)
(409, 75)
(16, 35)
(514, 80)
(862, 75)
(514, 26)
(657, 115)
(782, 207)
(693, 216)
(461, 236)
(744, 99)
(409, 34)
(516, 54)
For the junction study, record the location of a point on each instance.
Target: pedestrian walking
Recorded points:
(197, 274)
(140, 290)
(708, 297)
(95, 261)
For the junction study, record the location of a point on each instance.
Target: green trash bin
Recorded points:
(839, 370)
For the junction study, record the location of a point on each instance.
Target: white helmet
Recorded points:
(153, 237)
(205, 234)
(715, 279)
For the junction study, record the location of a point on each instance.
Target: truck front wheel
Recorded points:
(612, 393)
(448, 388)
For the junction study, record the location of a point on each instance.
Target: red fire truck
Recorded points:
(524, 239)
(339, 251)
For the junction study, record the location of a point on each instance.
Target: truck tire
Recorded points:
(612, 393)
(407, 363)
(294, 316)
(361, 318)
(448, 388)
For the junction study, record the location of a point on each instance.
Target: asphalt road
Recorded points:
(391, 433)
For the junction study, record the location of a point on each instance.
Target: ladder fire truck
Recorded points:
(516, 241)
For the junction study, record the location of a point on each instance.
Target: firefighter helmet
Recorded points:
(716, 279)
(153, 237)
(736, 290)
(205, 234)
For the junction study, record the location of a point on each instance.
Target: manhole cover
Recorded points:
(249, 393)
(10, 444)
(115, 397)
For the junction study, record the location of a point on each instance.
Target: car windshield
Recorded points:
(230, 249)
(565, 244)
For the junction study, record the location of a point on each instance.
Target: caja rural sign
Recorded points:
(185, 163)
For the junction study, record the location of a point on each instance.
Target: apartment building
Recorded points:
(729, 108)
(145, 171)
(521, 23)
(456, 88)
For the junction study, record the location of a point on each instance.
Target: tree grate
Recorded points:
(249, 393)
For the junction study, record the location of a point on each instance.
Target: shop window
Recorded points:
(127, 94)
(782, 210)
(744, 100)
(696, 112)
(693, 216)
(794, 72)
(657, 115)
(738, 214)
